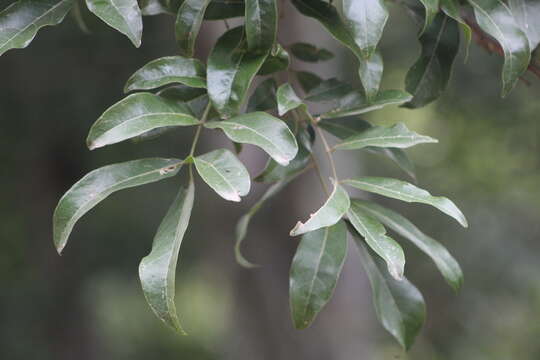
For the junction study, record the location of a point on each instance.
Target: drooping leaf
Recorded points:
(496, 19)
(315, 270)
(446, 264)
(135, 115)
(349, 126)
(157, 270)
(432, 8)
(310, 53)
(224, 173)
(287, 99)
(122, 15)
(100, 183)
(264, 97)
(278, 60)
(329, 90)
(355, 103)
(370, 72)
(330, 213)
(407, 192)
(20, 22)
(397, 136)
(375, 236)
(526, 13)
(263, 130)
(429, 75)
(261, 22)
(188, 23)
(365, 19)
(168, 70)
(399, 305)
(452, 9)
(231, 69)
(308, 80)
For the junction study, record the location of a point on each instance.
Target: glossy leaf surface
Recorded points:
(122, 15)
(277, 60)
(188, 23)
(261, 24)
(315, 270)
(230, 72)
(224, 173)
(355, 103)
(263, 130)
(527, 15)
(135, 115)
(375, 236)
(287, 99)
(407, 192)
(264, 97)
(100, 183)
(168, 70)
(370, 72)
(447, 265)
(158, 269)
(330, 213)
(20, 22)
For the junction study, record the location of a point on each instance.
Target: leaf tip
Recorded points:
(296, 229)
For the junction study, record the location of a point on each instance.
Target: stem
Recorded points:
(226, 24)
(319, 174)
(199, 128)
(327, 149)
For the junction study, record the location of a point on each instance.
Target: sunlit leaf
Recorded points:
(287, 99)
(261, 24)
(370, 71)
(122, 15)
(526, 13)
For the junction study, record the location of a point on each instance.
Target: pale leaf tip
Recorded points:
(296, 229)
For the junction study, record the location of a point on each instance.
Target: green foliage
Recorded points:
(212, 94)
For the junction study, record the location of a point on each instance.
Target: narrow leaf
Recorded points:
(407, 192)
(263, 130)
(397, 136)
(158, 269)
(188, 23)
(447, 265)
(370, 71)
(315, 270)
(375, 235)
(167, 70)
(20, 22)
(261, 24)
(231, 69)
(287, 99)
(308, 80)
(496, 19)
(100, 183)
(355, 103)
(122, 15)
(429, 75)
(432, 8)
(399, 305)
(136, 115)
(330, 213)
(452, 9)
(224, 173)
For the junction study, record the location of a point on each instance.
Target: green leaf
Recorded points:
(355, 103)
(155, 7)
(330, 213)
(315, 270)
(429, 75)
(122, 15)
(263, 130)
(20, 22)
(182, 93)
(526, 13)
(370, 72)
(231, 69)
(452, 9)
(135, 115)
(404, 191)
(278, 60)
(365, 19)
(397, 136)
(100, 183)
(167, 70)
(432, 8)
(329, 90)
(308, 80)
(310, 53)
(350, 126)
(446, 264)
(496, 19)
(264, 97)
(261, 23)
(375, 235)
(224, 173)
(157, 270)
(224, 9)
(287, 99)
(399, 305)
(188, 23)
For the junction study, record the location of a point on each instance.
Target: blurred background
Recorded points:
(88, 304)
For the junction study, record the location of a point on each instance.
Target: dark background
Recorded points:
(88, 303)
